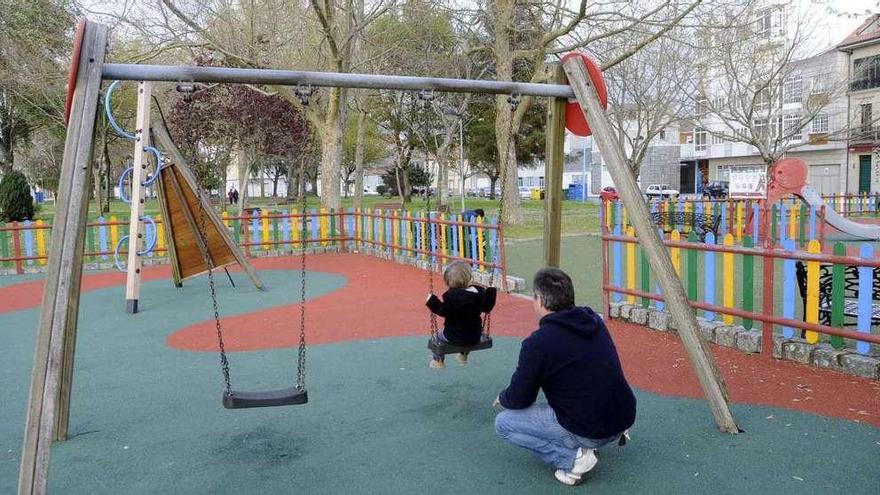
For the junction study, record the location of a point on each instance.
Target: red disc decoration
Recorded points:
(574, 117)
(74, 68)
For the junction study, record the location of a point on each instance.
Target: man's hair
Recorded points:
(479, 212)
(458, 275)
(554, 288)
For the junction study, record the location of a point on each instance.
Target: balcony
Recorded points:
(864, 134)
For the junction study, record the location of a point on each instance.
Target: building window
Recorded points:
(793, 90)
(764, 24)
(663, 134)
(819, 124)
(760, 126)
(791, 127)
(700, 139)
(819, 84)
(866, 73)
(865, 117)
(716, 139)
(762, 100)
(701, 106)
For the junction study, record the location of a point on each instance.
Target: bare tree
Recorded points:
(268, 32)
(758, 84)
(517, 36)
(646, 96)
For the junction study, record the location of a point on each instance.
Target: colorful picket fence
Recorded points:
(790, 218)
(419, 236)
(723, 281)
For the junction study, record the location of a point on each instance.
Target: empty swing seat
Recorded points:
(284, 397)
(440, 347)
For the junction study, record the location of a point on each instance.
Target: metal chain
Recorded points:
(209, 262)
(301, 359)
(487, 317)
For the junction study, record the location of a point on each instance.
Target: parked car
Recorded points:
(525, 192)
(716, 189)
(609, 193)
(660, 191)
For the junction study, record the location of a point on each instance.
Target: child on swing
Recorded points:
(461, 308)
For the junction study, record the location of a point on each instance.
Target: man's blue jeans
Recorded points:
(536, 428)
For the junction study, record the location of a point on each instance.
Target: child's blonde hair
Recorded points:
(457, 275)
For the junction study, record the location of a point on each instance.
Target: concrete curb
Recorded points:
(820, 355)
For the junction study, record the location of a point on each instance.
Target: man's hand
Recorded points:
(428, 298)
(497, 402)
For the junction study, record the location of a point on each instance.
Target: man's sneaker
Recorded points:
(584, 461)
(437, 364)
(567, 478)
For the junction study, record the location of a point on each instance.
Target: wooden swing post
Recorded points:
(673, 291)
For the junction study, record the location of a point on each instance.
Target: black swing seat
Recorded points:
(440, 347)
(284, 397)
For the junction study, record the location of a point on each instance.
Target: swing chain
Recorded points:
(304, 92)
(301, 361)
(514, 99)
(209, 262)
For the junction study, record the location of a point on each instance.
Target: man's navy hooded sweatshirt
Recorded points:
(572, 357)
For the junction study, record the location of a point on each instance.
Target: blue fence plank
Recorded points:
(756, 220)
(28, 241)
(812, 222)
(315, 224)
(723, 231)
(789, 282)
(496, 256)
(709, 272)
(866, 281)
(472, 252)
(285, 230)
(783, 223)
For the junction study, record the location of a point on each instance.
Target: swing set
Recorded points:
(49, 401)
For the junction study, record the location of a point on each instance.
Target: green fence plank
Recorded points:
(236, 231)
(5, 241)
(803, 213)
(748, 283)
(276, 231)
(646, 278)
(90, 240)
(774, 223)
(837, 282)
(692, 268)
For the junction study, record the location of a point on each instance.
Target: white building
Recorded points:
(810, 90)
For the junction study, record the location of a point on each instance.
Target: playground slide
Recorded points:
(849, 230)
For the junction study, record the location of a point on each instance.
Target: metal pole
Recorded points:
(461, 157)
(584, 185)
(172, 73)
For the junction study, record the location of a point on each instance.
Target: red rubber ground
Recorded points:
(383, 299)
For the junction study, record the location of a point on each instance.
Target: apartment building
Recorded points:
(862, 50)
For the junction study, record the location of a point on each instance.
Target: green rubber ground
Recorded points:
(148, 419)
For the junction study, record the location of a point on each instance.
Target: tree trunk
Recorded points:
(332, 137)
(443, 166)
(359, 160)
(492, 181)
(245, 157)
(503, 25)
(5, 153)
(292, 171)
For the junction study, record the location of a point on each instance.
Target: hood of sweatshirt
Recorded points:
(581, 321)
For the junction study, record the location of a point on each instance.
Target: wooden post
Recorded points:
(553, 167)
(169, 232)
(16, 247)
(56, 331)
(138, 174)
(661, 264)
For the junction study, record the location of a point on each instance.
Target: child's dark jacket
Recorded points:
(462, 310)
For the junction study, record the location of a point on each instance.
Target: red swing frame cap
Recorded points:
(73, 71)
(574, 116)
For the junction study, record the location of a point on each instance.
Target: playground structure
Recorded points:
(48, 412)
(190, 245)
